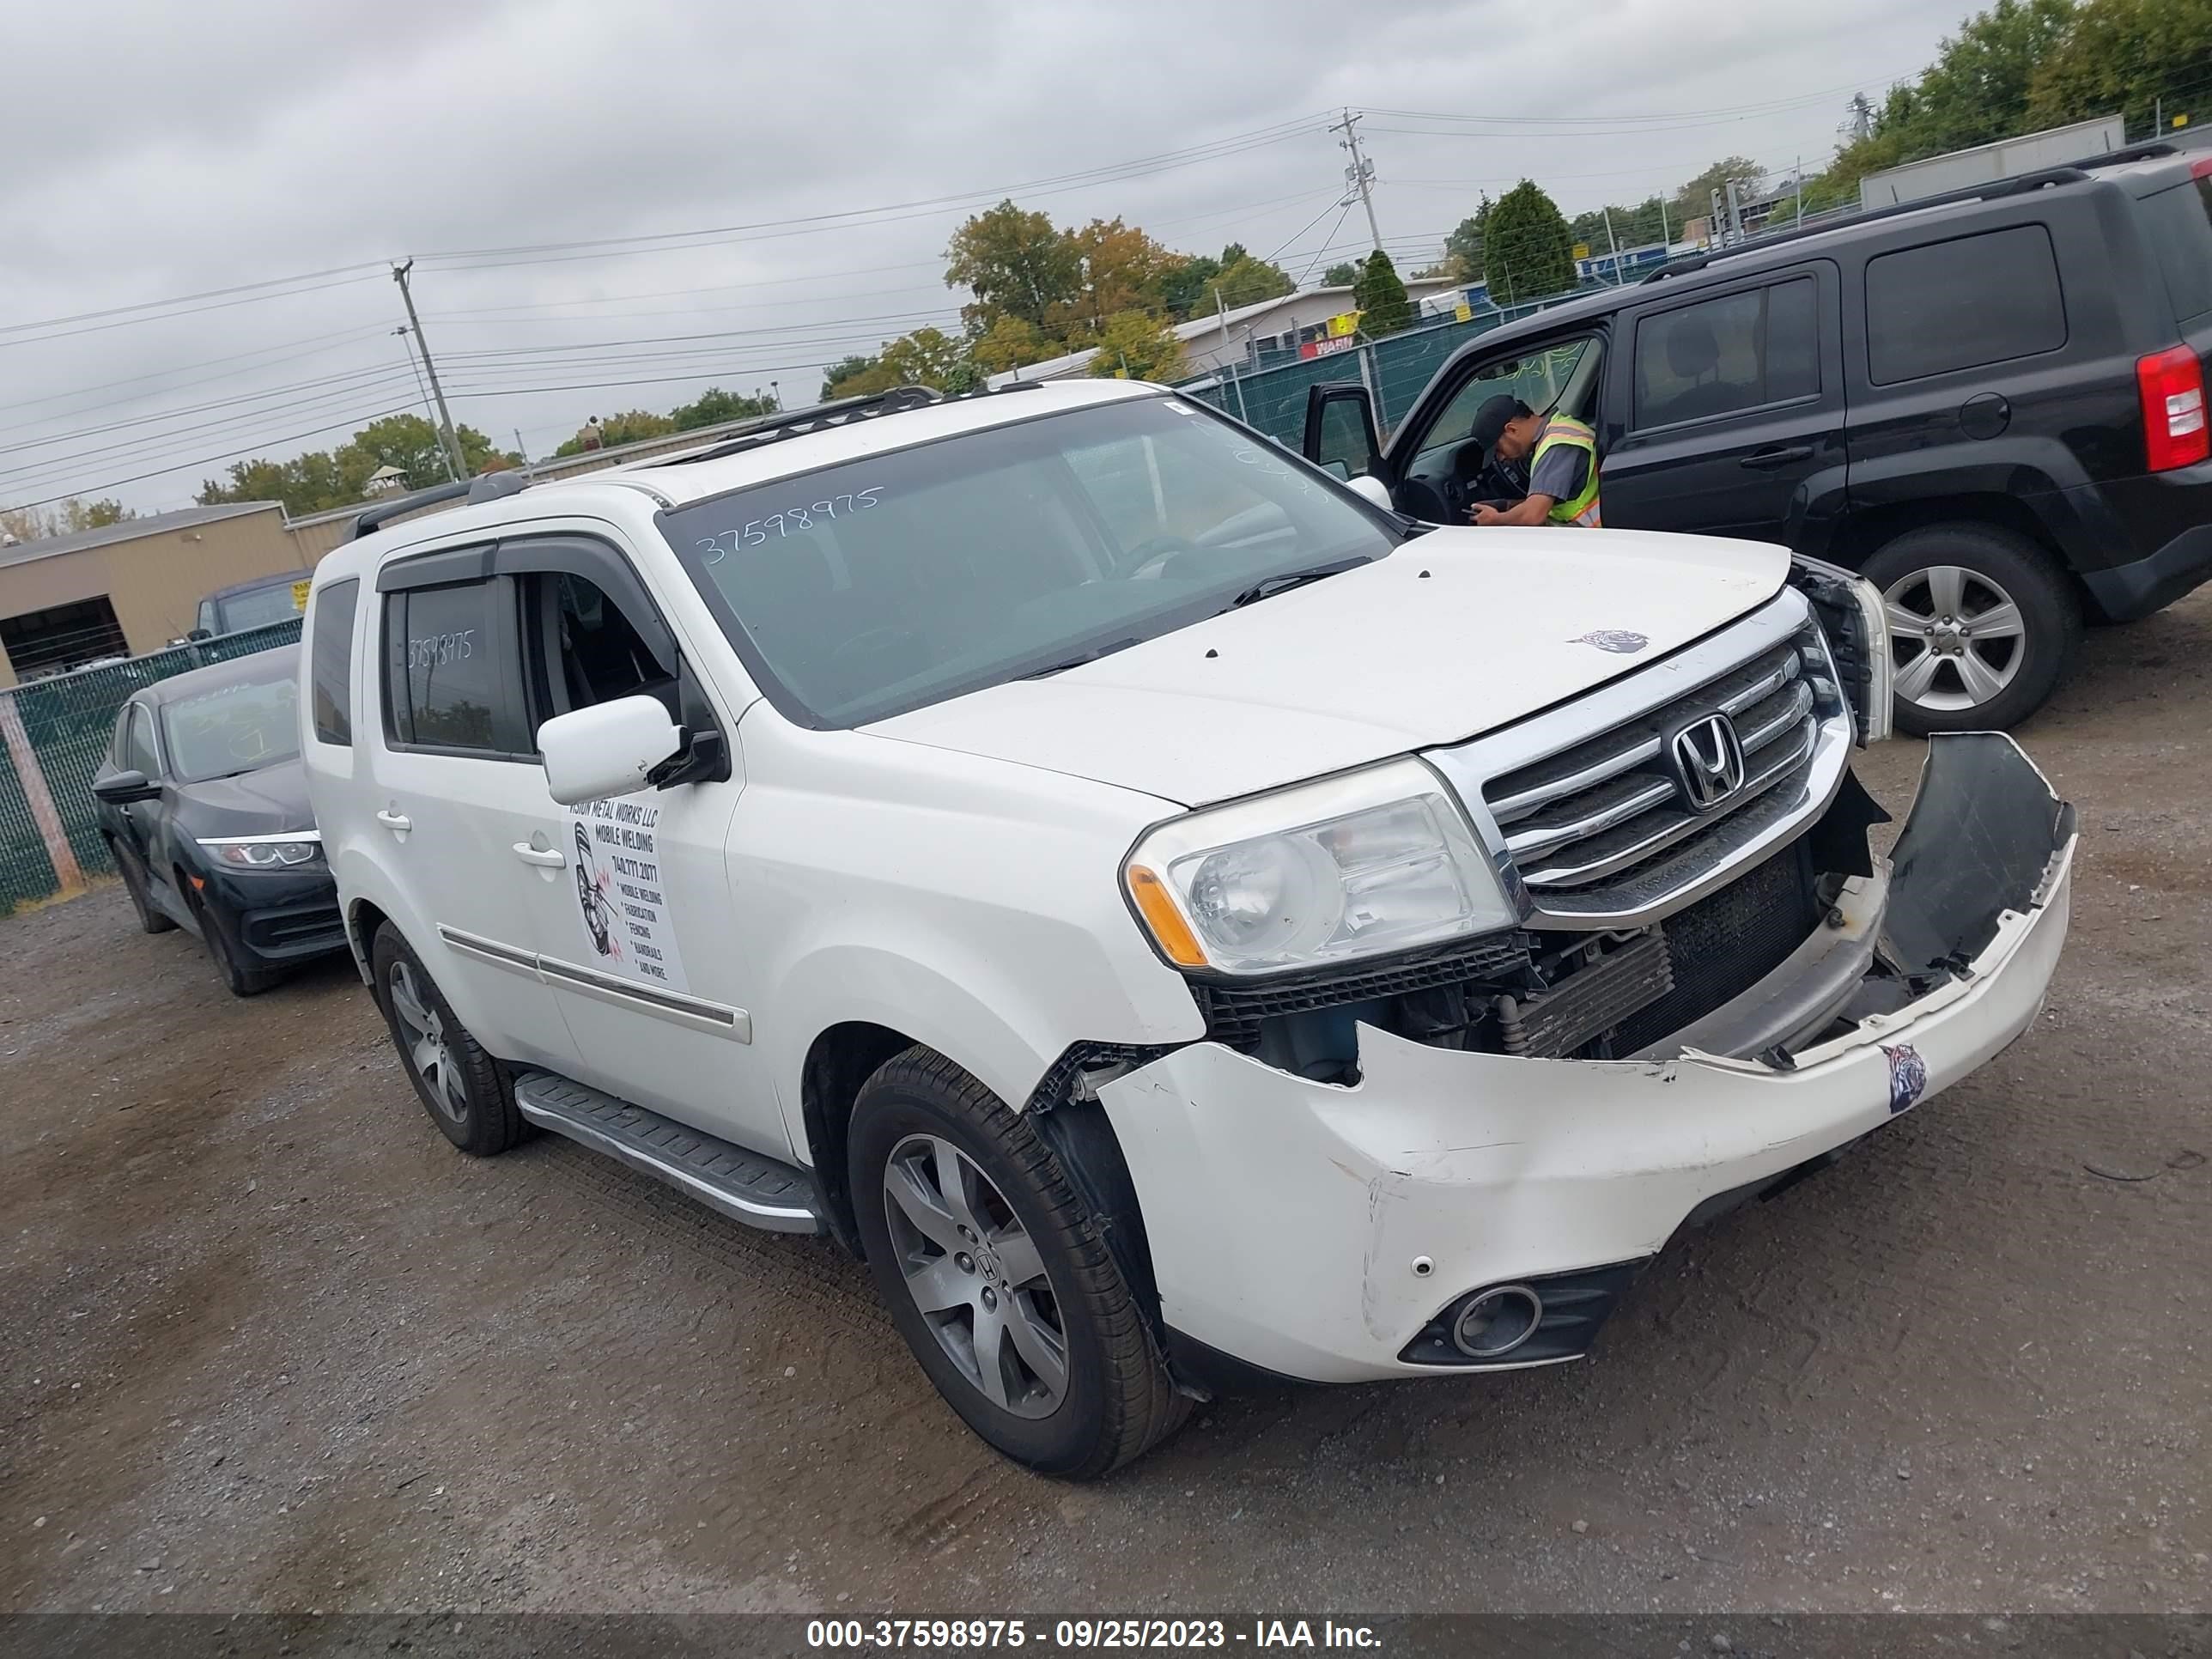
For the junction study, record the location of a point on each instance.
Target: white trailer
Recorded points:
(2006, 159)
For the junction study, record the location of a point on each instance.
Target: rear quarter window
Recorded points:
(2178, 224)
(1963, 303)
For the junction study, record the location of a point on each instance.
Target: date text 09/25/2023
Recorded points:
(1062, 1634)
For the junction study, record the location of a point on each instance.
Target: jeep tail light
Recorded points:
(2173, 386)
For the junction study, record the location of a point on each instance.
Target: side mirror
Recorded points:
(609, 749)
(121, 788)
(1374, 490)
(199, 634)
(1340, 427)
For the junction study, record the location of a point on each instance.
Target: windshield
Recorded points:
(865, 590)
(234, 728)
(260, 607)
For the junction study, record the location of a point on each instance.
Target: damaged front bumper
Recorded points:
(1336, 1233)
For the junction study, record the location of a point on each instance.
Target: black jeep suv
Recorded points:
(1990, 402)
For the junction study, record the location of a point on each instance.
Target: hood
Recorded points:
(1456, 633)
(267, 802)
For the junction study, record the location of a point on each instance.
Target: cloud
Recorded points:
(159, 150)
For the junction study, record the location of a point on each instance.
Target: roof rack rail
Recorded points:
(825, 417)
(2072, 173)
(486, 487)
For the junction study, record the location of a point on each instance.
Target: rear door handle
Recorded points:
(395, 820)
(548, 858)
(1782, 457)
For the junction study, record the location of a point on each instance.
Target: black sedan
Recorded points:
(204, 802)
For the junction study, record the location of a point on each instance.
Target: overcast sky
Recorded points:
(156, 150)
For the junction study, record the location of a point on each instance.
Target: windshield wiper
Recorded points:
(1268, 586)
(1080, 658)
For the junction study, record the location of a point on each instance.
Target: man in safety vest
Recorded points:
(1562, 477)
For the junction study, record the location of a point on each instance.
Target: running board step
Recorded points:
(744, 1186)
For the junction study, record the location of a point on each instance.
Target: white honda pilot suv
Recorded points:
(1176, 919)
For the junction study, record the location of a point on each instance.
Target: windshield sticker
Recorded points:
(1621, 644)
(791, 520)
(621, 898)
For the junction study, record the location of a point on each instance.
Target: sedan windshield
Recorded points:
(232, 729)
(865, 590)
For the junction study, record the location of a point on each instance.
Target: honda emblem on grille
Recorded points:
(1708, 760)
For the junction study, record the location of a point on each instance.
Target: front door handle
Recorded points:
(546, 858)
(1782, 457)
(398, 821)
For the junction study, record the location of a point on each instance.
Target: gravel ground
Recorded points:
(272, 1345)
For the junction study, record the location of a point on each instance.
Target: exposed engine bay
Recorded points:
(1799, 948)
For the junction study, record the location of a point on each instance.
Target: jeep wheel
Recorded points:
(1982, 626)
(465, 1090)
(997, 1275)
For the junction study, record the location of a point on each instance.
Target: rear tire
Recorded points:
(1940, 585)
(151, 921)
(1030, 1332)
(467, 1093)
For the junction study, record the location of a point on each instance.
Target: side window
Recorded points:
(330, 661)
(452, 677)
(1962, 304)
(1741, 351)
(585, 649)
(2179, 223)
(1343, 446)
(138, 753)
(1540, 379)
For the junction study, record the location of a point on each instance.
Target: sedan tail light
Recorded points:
(2173, 386)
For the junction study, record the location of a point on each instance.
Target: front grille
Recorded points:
(1724, 944)
(1600, 826)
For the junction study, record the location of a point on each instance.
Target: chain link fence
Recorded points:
(1395, 368)
(56, 732)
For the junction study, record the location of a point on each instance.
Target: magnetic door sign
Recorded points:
(621, 894)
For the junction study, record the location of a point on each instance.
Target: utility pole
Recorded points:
(438, 392)
(1801, 192)
(445, 457)
(522, 449)
(1360, 175)
(1613, 243)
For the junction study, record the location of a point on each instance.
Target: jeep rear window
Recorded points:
(2178, 224)
(865, 590)
(1962, 303)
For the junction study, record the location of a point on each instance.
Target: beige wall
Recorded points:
(154, 582)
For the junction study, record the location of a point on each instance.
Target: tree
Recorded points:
(1464, 247)
(1246, 281)
(843, 371)
(928, 356)
(409, 443)
(1343, 274)
(1527, 249)
(31, 523)
(1137, 346)
(1381, 297)
(1694, 199)
(1016, 263)
(1123, 269)
(1187, 286)
(2150, 62)
(1011, 343)
(715, 407)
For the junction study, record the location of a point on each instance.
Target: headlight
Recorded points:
(265, 852)
(1375, 862)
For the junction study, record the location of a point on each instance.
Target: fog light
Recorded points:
(1494, 1323)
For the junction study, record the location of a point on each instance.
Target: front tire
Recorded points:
(1983, 626)
(224, 951)
(999, 1277)
(151, 921)
(466, 1092)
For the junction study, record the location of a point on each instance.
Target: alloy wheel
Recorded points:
(977, 1275)
(1958, 636)
(422, 1035)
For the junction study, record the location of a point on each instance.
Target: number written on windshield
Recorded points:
(756, 531)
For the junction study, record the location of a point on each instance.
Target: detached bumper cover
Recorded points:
(1314, 1230)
